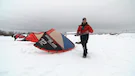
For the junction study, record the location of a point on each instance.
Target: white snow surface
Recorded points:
(108, 55)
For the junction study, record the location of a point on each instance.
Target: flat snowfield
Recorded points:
(108, 55)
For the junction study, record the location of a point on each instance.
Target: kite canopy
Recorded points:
(53, 41)
(18, 37)
(34, 37)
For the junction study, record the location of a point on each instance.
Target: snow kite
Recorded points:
(55, 42)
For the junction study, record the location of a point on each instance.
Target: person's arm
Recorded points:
(90, 29)
(78, 30)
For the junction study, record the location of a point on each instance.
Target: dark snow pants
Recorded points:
(84, 40)
(84, 45)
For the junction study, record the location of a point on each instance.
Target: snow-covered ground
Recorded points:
(109, 55)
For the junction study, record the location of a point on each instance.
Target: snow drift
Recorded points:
(109, 55)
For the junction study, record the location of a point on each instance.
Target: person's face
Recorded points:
(84, 21)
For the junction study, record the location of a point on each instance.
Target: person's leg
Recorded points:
(84, 48)
(87, 38)
(84, 40)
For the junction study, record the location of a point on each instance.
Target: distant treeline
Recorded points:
(73, 33)
(9, 33)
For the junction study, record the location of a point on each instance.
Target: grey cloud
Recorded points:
(66, 15)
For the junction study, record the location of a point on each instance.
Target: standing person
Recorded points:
(83, 31)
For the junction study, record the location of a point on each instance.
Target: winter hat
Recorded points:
(84, 18)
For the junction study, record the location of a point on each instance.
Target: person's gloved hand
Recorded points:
(77, 34)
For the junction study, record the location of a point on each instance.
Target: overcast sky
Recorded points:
(66, 15)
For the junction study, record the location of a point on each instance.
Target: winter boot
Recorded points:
(84, 55)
